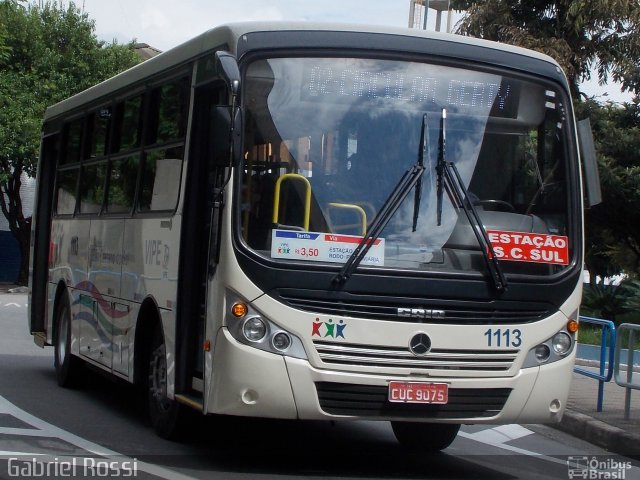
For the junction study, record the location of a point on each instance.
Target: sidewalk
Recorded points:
(607, 429)
(12, 288)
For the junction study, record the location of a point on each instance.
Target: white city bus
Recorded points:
(327, 222)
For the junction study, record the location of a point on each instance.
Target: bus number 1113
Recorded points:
(506, 337)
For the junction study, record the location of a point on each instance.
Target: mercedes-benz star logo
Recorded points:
(420, 344)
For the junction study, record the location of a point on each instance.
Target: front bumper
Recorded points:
(251, 382)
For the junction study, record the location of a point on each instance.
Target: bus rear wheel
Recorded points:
(165, 413)
(425, 437)
(68, 367)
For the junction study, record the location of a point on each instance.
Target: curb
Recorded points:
(614, 439)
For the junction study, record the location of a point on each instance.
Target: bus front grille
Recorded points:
(350, 354)
(450, 312)
(372, 401)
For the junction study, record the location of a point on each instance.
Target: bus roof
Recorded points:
(228, 36)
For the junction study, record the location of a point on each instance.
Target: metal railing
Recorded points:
(632, 381)
(607, 351)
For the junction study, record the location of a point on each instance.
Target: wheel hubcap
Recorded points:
(158, 379)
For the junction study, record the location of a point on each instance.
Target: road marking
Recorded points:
(501, 434)
(23, 432)
(52, 431)
(497, 436)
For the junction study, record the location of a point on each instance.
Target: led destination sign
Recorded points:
(428, 87)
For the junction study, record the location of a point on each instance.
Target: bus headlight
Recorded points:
(254, 329)
(551, 350)
(562, 343)
(250, 327)
(281, 341)
(542, 353)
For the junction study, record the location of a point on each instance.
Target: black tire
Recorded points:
(69, 368)
(166, 415)
(425, 437)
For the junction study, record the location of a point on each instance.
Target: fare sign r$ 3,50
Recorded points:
(530, 247)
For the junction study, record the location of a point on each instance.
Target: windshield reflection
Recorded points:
(344, 131)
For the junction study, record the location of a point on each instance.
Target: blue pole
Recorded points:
(603, 359)
(627, 393)
(426, 14)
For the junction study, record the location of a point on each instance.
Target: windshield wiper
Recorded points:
(410, 179)
(442, 142)
(424, 144)
(449, 177)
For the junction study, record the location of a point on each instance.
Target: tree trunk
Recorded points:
(11, 206)
(24, 241)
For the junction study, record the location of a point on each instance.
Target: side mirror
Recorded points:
(227, 69)
(589, 163)
(223, 136)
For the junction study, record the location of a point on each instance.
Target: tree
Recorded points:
(582, 35)
(587, 36)
(47, 53)
(613, 227)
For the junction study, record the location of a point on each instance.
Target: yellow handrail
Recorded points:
(359, 210)
(307, 198)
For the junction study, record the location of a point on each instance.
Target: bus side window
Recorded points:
(123, 175)
(66, 183)
(168, 118)
(68, 167)
(128, 124)
(94, 161)
(161, 179)
(92, 187)
(100, 123)
(162, 168)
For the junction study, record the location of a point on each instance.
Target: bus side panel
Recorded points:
(101, 290)
(150, 260)
(69, 251)
(149, 270)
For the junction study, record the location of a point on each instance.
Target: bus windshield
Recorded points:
(326, 140)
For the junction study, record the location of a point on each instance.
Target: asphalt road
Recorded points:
(100, 431)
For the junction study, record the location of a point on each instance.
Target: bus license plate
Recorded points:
(412, 392)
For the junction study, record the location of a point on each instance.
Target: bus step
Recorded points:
(190, 401)
(40, 339)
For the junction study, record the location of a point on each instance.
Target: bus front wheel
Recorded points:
(165, 413)
(425, 437)
(68, 367)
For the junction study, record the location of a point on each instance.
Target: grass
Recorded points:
(592, 335)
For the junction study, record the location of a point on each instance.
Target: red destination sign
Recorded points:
(530, 247)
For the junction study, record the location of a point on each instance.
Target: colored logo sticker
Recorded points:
(328, 329)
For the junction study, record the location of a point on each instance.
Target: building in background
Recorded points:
(419, 11)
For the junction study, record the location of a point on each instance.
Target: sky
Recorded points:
(164, 24)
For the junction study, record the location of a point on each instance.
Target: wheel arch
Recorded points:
(147, 321)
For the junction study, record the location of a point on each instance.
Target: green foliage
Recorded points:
(47, 53)
(604, 301)
(609, 302)
(581, 35)
(613, 227)
(632, 301)
(585, 36)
